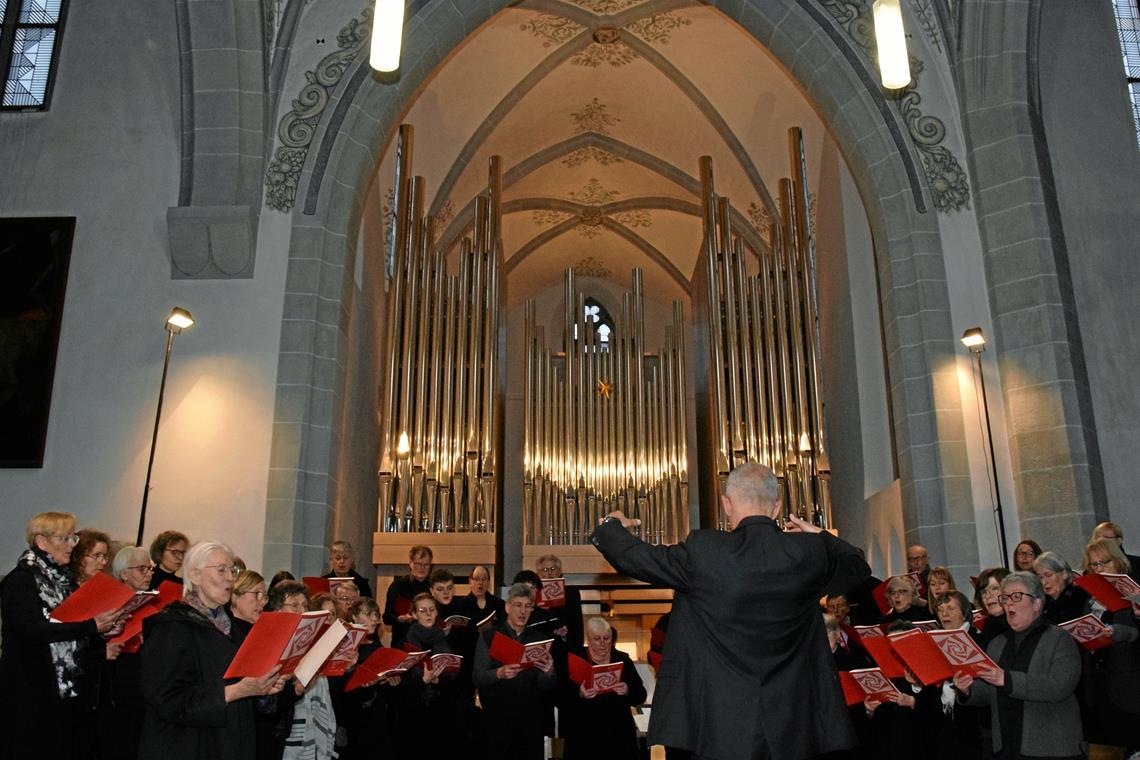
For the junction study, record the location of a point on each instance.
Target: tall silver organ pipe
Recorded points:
(757, 352)
(441, 397)
(604, 425)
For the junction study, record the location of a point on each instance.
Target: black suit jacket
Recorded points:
(747, 659)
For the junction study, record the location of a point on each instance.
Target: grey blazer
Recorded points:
(1052, 722)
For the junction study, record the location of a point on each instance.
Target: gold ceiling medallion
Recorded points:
(607, 35)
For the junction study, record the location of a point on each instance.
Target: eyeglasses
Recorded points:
(900, 592)
(298, 606)
(223, 570)
(425, 610)
(258, 595)
(1014, 596)
(521, 605)
(70, 538)
(421, 565)
(144, 569)
(1028, 553)
(1101, 563)
(176, 553)
(990, 591)
(98, 556)
(549, 569)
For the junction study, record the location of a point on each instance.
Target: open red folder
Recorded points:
(507, 651)
(603, 678)
(101, 593)
(867, 683)
(552, 594)
(1089, 632)
(1113, 591)
(446, 662)
(131, 636)
(382, 663)
(277, 638)
(869, 632)
(319, 585)
(936, 656)
(337, 663)
(884, 656)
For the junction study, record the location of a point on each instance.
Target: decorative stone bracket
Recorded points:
(211, 242)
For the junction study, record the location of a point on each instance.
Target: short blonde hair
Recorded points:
(49, 524)
(246, 580)
(196, 559)
(1112, 550)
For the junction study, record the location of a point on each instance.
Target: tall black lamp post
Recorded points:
(975, 340)
(178, 320)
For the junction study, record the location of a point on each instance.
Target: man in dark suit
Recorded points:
(747, 671)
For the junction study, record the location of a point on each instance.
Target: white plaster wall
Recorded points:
(107, 153)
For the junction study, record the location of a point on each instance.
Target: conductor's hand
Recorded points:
(626, 522)
(796, 525)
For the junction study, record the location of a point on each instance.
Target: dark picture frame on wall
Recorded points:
(34, 256)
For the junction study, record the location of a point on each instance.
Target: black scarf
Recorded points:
(54, 584)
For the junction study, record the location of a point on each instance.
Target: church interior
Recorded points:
(571, 256)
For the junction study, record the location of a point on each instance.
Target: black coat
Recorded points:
(30, 706)
(747, 659)
(187, 716)
(405, 587)
(602, 728)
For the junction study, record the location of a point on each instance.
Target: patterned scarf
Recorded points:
(217, 615)
(54, 584)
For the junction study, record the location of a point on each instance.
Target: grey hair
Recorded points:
(902, 580)
(597, 624)
(551, 557)
(126, 557)
(196, 560)
(519, 590)
(752, 483)
(1028, 580)
(1052, 562)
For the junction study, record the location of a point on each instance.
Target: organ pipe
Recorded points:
(759, 359)
(441, 396)
(604, 425)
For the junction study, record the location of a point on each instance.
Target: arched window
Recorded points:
(29, 51)
(594, 312)
(1128, 25)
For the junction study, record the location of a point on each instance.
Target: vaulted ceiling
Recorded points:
(600, 110)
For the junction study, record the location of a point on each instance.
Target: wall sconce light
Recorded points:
(975, 340)
(178, 321)
(387, 34)
(890, 42)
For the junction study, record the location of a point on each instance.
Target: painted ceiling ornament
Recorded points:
(658, 27)
(948, 181)
(593, 193)
(591, 267)
(590, 222)
(594, 117)
(590, 153)
(297, 127)
(637, 218)
(605, 7)
(616, 54)
(761, 220)
(550, 217)
(553, 29)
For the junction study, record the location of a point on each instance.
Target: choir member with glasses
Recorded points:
(903, 598)
(549, 567)
(1110, 531)
(248, 598)
(430, 698)
(342, 564)
(363, 713)
(918, 564)
(510, 694)
(1112, 674)
(1064, 600)
(1030, 694)
(958, 728)
(986, 592)
(1024, 555)
(191, 710)
(90, 555)
(480, 602)
(48, 668)
(939, 582)
(168, 551)
(345, 595)
(405, 588)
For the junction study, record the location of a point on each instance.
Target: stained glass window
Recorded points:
(29, 30)
(1128, 25)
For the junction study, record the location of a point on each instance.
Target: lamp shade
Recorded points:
(974, 338)
(890, 41)
(387, 33)
(179, 318)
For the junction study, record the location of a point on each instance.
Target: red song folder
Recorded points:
(337, 663)
(507, 651)
(603, 678)
(101, 593)
(1089, 632)
(922, 656)
(866, 683)
(382, 663)
(277, 639)
(552, 594)
(884, 655)
(962, 652)
(446, 662)
(1106, 591)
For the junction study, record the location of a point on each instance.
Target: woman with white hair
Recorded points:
(122, 686)
(902, 594)
(601, 725)
(191, 711)
(1064, 600)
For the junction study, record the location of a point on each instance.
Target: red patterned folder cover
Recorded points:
(1089, 632)
(382, 663)
(101, 593)
(922, 656)
(277, 638)
(603, 678)
(507, 651)
(552, 594)
(1107, 589)
(869, 632)
(337, 663)
(446, 662)
(962, 652)
(868, 683)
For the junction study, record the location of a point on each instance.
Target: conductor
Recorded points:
(747, 671)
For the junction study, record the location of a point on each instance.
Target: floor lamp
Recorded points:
(178, 320)
(975, 340)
